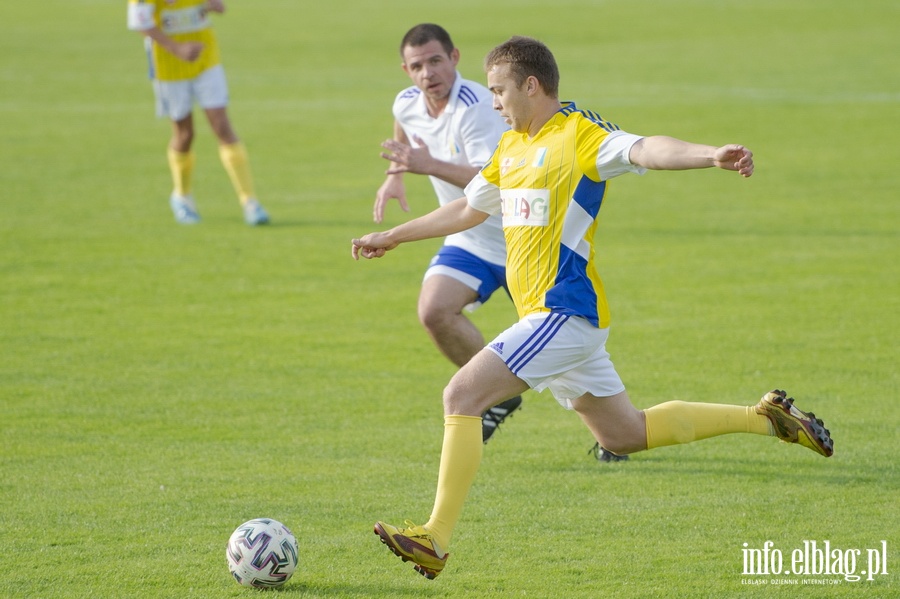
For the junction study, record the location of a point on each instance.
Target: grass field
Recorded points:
(159, 385)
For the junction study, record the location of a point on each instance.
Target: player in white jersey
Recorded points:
(548, 178)
(185, 68)
(445, 127)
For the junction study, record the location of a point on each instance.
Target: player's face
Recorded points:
(511, 100)
(431, 69)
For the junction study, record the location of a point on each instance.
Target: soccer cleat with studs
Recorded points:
(793, 425)
(414, 544)
(493, 417)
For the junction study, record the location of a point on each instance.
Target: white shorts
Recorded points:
(566, 354)
(175, 99)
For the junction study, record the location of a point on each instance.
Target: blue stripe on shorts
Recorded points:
(491, 276)
(536, 342)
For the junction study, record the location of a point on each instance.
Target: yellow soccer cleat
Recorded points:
(414, 544)
(794, 426)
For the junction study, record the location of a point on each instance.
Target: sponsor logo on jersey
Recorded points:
(539, 157)
(525, 207)
(184, 20)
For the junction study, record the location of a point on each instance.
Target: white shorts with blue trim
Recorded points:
(563, 353)
(175, 99)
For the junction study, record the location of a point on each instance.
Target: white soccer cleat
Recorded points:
(184, 209)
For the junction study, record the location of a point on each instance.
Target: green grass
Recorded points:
(159, 385)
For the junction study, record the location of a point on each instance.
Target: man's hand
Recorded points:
(188, 51)
(392, 187)
(407, 159)
(215, 6)
(373, 245)
(734, 157)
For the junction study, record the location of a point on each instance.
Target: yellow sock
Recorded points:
(181, 164)
(237, 165)
(676, 422)
(460, 459)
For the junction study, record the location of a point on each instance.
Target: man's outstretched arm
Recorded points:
(448, 219)
(660, 152)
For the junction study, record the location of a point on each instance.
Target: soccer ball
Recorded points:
(262, 553)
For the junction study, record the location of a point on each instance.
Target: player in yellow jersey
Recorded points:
(185, 68)
(547, 178)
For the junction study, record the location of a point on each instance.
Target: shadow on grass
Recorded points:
(765, 465)
(306, 589)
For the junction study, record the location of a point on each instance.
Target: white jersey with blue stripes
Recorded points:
(465, 133)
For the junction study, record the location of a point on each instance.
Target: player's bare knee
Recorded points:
(434, 319)
(182, 139)
(462, 399)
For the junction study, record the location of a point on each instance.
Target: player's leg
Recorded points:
(221, 125)
(621, 428)
(482, 382)
(181, 156)
(174, 100)
(181, 165)
(518, 358)
(615, 423)
(454, 280)
(441, 303)
(212, 95)
(234, 158)
(182, 134)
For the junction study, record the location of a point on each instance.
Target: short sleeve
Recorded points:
(480, 129)
(140, 15)
(482, 195)
(612, 157)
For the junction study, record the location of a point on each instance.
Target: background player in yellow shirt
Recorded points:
(548, 177)
(185, 68)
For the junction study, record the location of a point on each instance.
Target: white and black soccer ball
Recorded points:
(262, 553)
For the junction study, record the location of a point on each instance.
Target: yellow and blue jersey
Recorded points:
(183, 21)
(550, 192)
